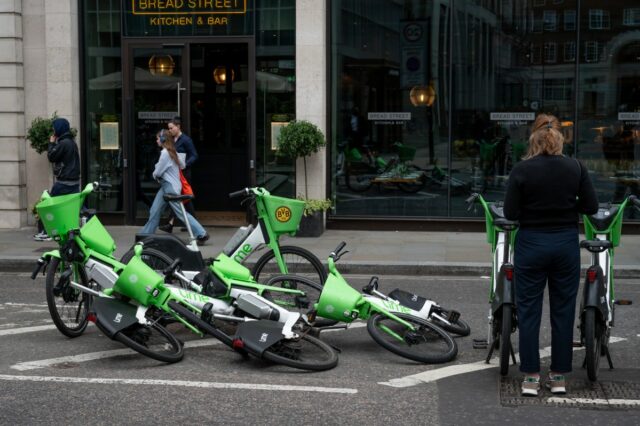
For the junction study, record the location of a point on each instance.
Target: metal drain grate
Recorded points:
(604, 395)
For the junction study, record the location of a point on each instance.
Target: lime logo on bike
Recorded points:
(49, 217)
(283, 214)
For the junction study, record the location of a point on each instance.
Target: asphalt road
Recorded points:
(214, 385)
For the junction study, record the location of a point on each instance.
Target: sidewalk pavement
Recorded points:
(370, 252)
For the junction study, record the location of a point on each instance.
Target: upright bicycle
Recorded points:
(275, 216)
(502, 318)
(597, 307)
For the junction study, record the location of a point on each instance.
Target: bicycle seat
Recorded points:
(596, 246)
(506, 224)
(603, 217)
(177, 197)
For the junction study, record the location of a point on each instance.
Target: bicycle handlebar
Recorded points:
(335, 254)
(243, 192)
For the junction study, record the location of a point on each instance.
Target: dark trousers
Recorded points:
(60, 189)
(541, 257)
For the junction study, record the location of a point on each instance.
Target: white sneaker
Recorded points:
(41, 236)
(530, 386)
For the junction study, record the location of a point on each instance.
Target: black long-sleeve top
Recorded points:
(549, 191)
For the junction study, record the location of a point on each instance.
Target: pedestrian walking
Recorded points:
(184, 145)
(545, 193)
(63, 154)
(167, 173)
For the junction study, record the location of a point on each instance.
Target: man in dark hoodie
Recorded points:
(63, 153)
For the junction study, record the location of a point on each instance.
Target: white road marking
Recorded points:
(454, 370)
(183, 383)
(594, 401)
(23, 330)
(92, 356)
(37, 305)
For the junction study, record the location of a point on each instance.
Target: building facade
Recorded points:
(421, 101)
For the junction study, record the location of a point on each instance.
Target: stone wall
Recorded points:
(39, 75)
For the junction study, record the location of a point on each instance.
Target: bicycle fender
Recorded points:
(594, 295)
(505, 290)
(259, 336)
(43, 262)
(113, 315)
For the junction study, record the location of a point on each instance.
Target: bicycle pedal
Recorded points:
(453, 316)
(480, 344)
(206, 313)
(577, 344)
(623, 302)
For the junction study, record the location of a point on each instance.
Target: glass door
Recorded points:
(155, 94)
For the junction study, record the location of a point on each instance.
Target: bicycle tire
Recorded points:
(68, 306)
(505, 338)
(297, 260)
(412, 188)
(459, 327)
(425, 331)
(294, 303)
(592, 343)
(293, 354)
(138, 336)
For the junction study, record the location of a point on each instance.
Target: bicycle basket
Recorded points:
(138, 281)
(97, 238)
(406, 153)
(338, 301)
(60, 214)
(284, 214)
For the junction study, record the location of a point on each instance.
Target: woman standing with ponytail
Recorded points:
(167, 173)
(546, 193)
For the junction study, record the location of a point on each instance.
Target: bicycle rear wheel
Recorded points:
(299, 261)
(505, 338)
(153, 340)
(305, 353)
(593, 343)
(428, 343)
(68, 306)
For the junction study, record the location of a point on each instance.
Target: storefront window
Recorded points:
(102, 135)
(389, 135)
(510, 61)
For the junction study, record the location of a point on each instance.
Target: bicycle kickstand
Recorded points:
(606, 348)
(493, 346)
(513, 354)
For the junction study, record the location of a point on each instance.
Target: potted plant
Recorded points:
(300, 139)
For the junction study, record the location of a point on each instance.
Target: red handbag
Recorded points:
(186, 186)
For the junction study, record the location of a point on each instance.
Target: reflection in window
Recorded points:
(550, 52)
(592, 51)
(549, 19)
(631, 16)
(598, 19)
(570, 51)
(569, 20)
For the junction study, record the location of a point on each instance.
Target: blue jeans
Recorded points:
(158, 206)
(541, 257)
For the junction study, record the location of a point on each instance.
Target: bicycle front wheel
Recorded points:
(68, 306)
(299, 262)
(305, 353)
(153, 340)
(428, 343)
(592, 342)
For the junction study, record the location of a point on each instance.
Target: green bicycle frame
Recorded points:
(612, 233)
(341, 302)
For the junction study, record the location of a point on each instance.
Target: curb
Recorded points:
(368, 268)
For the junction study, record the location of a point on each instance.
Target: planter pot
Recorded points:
(311, 225)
